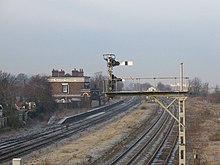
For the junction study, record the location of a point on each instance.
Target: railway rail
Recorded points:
(157, 145)
(19, 146)
(165, 149)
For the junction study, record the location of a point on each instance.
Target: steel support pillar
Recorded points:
(182, 131)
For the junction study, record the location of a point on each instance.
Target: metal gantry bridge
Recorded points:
(179, 96)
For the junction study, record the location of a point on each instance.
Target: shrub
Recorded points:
(13, 119)
(143, 107)
(206, 113)
(34, 113)
(215, 136)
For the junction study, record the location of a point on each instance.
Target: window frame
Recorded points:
(65, 88)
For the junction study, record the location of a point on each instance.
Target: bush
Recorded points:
(143, 107)
(39, 113)
(215, 136)
(206, 113)
(13, 119)
(34, 113)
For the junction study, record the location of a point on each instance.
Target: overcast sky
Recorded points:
(39, 35)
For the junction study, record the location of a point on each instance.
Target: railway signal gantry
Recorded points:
(179, 96)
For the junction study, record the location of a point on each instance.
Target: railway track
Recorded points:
(166, 150)
(19, 146)
(166, 147)
(157, 145)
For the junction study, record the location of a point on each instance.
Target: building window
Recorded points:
(65, 87)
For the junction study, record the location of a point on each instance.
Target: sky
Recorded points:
(37, 36)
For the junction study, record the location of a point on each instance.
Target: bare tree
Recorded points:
(163, 87)
(205, 90)
(7, 89)
(98, 81)
(21, 80)
(38, 90)
(215, 96)
(7, 98)
(195, 86)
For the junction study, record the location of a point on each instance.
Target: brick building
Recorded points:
(70, 90)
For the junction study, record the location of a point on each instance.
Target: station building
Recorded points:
(71, 90)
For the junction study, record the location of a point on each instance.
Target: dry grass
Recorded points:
(203, 134)
(93, 144)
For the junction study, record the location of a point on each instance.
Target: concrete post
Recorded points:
(181, 77)
(17, 161)
(182, 132)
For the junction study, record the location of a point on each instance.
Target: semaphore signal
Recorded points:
(111, 62)
(126, 63)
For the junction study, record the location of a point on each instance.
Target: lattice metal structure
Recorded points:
(182, 120)
(178, 96)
